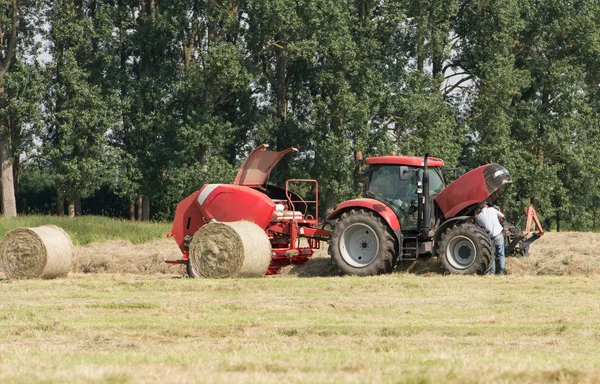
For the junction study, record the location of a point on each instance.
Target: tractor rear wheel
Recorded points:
(466, 249)
(362, 244)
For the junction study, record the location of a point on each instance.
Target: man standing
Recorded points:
(489, 219)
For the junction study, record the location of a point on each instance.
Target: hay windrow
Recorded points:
(558, 254)
(554, 254)
(41, 252)
(120, 256)
(562, 253)
(238, 249)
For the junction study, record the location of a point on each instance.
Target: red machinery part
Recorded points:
(484, 183)
(188, 219)
(258, 165)
(283, 257)
(405, 160)
(532, 216)
(223, 202)
(371, 204)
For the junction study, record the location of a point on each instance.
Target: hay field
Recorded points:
(554, 254)
(152, 325)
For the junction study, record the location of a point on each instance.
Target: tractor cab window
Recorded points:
(398, 192)
(436, 183)
(396, 186)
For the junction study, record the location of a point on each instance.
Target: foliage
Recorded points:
(159, 97)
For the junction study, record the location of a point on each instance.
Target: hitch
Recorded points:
(517, 242)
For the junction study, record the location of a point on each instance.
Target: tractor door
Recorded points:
(396, 190)
(396, 186)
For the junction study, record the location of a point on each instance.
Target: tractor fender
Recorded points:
(379, 208)
(447, 224)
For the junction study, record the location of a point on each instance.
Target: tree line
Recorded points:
(127, 106)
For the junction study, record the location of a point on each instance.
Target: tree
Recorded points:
(17, 20)
(79, 112)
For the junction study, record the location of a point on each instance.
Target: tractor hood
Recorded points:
(485, 183)
(258, 165)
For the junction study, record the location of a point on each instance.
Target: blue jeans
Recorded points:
(499, 262)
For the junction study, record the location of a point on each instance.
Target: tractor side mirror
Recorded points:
(404, 172)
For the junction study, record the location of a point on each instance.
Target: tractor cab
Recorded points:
(397, 182)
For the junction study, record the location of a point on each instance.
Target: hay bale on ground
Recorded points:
(237, 249)
(42, 252)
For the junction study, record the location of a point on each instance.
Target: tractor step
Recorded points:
(410, 248)
(413, 248)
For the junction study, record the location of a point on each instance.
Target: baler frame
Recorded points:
(290, 250)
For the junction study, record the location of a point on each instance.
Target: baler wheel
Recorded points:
(466, 249)
(362, 244)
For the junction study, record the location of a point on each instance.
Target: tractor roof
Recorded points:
(258, 165)
(413, 161)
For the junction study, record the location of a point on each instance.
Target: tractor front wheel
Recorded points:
(362, 244)
(466, 249)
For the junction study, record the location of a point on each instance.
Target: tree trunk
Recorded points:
(281, 95)
(131, 211)
(78, 207)
(139, 206)
(437, 51)
(9, 43)
(152, 4)
(71, 209)
(421, 38)
(188, 44)
(557, 221)
(281, 74)
(9, 204)
(146, 209)
(60, 203)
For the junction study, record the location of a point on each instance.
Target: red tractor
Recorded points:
(407, 212)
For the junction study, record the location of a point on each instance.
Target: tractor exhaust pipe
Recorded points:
(425, 198)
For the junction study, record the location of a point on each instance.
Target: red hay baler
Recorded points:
(283, 214)
(408, 212)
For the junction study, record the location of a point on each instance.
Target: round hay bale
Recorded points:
(236, 249)
(41, 252)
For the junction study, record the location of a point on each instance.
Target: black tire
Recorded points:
(362, 244)
(190, 271)
(466, 249)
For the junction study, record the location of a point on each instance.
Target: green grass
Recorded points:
(397, 328)
(92, 229)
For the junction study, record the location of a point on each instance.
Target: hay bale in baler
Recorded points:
(236, 249)
(31, 253)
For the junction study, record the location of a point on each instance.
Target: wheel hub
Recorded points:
(359, 245)
(461, 252)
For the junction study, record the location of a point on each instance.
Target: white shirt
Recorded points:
(488, 220)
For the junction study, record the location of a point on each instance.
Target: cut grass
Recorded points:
(91, 229)
(395, 328)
